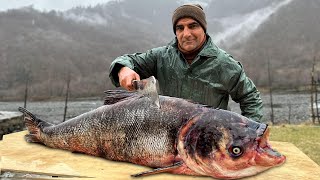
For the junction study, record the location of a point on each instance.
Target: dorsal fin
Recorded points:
(114, 96)
(148, 88)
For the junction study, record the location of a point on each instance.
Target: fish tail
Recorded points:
(34, 126)
(32, 138)
(34, 131)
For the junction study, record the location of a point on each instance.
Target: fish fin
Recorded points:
(148, 87)
(160, 170)
(32, 138)
(34, 126)
(114, 96)
(34, 131)
(32, 119)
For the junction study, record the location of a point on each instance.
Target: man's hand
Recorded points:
(126, 76)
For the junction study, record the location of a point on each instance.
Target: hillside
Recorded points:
(290, 40)
(45, 47)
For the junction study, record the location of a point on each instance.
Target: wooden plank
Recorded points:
(19, 156)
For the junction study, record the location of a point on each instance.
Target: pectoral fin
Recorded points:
(171, 168)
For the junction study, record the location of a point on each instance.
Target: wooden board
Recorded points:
(28, 158)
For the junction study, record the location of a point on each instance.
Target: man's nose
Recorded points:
(187, 32)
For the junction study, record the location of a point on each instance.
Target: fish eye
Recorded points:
(235, 151)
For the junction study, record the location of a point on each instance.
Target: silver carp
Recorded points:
(169, 134)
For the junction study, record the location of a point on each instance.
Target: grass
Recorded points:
(305, 137)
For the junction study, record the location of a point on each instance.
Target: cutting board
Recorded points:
(37, 161)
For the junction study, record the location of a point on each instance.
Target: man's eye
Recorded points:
(193, 26)
(179, 28)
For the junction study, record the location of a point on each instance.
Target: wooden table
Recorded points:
(30, 159)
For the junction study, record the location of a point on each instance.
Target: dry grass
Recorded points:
(305, 137)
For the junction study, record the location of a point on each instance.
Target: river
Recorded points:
(288, 108)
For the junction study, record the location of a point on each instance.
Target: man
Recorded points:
(191, 67)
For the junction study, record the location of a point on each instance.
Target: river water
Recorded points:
(288, 108)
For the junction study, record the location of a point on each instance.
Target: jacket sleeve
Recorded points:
(244, 92)
(142, 63)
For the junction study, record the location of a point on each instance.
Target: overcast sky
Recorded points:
(47, 4)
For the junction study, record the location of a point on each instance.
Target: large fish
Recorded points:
(168, 134)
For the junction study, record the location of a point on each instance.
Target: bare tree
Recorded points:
(67, 97)
(26, 91)
(289, 114)
(316, 97)
(270, 90)
(312, 89)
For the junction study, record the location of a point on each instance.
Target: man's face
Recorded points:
(189, 33)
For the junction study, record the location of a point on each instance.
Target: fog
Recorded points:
(239, 27)
(47, 5)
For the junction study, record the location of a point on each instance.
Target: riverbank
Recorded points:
(288, 108)
(305, 137)
(10, 122)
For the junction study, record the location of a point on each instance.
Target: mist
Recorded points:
(85, 40)
(239, 27)
(47, 5)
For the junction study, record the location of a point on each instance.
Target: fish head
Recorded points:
(227, 146)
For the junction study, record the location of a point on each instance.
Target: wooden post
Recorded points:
(312, 91)
(26, 92)
(316, 96)
(289, 116)
(66, 100)
(270, 88)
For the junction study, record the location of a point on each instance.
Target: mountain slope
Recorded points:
(290, 40)
(45, 47)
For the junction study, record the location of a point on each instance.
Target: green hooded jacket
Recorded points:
(209, 79)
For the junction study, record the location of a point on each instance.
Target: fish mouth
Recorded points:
(266, 155)
(263, 135)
